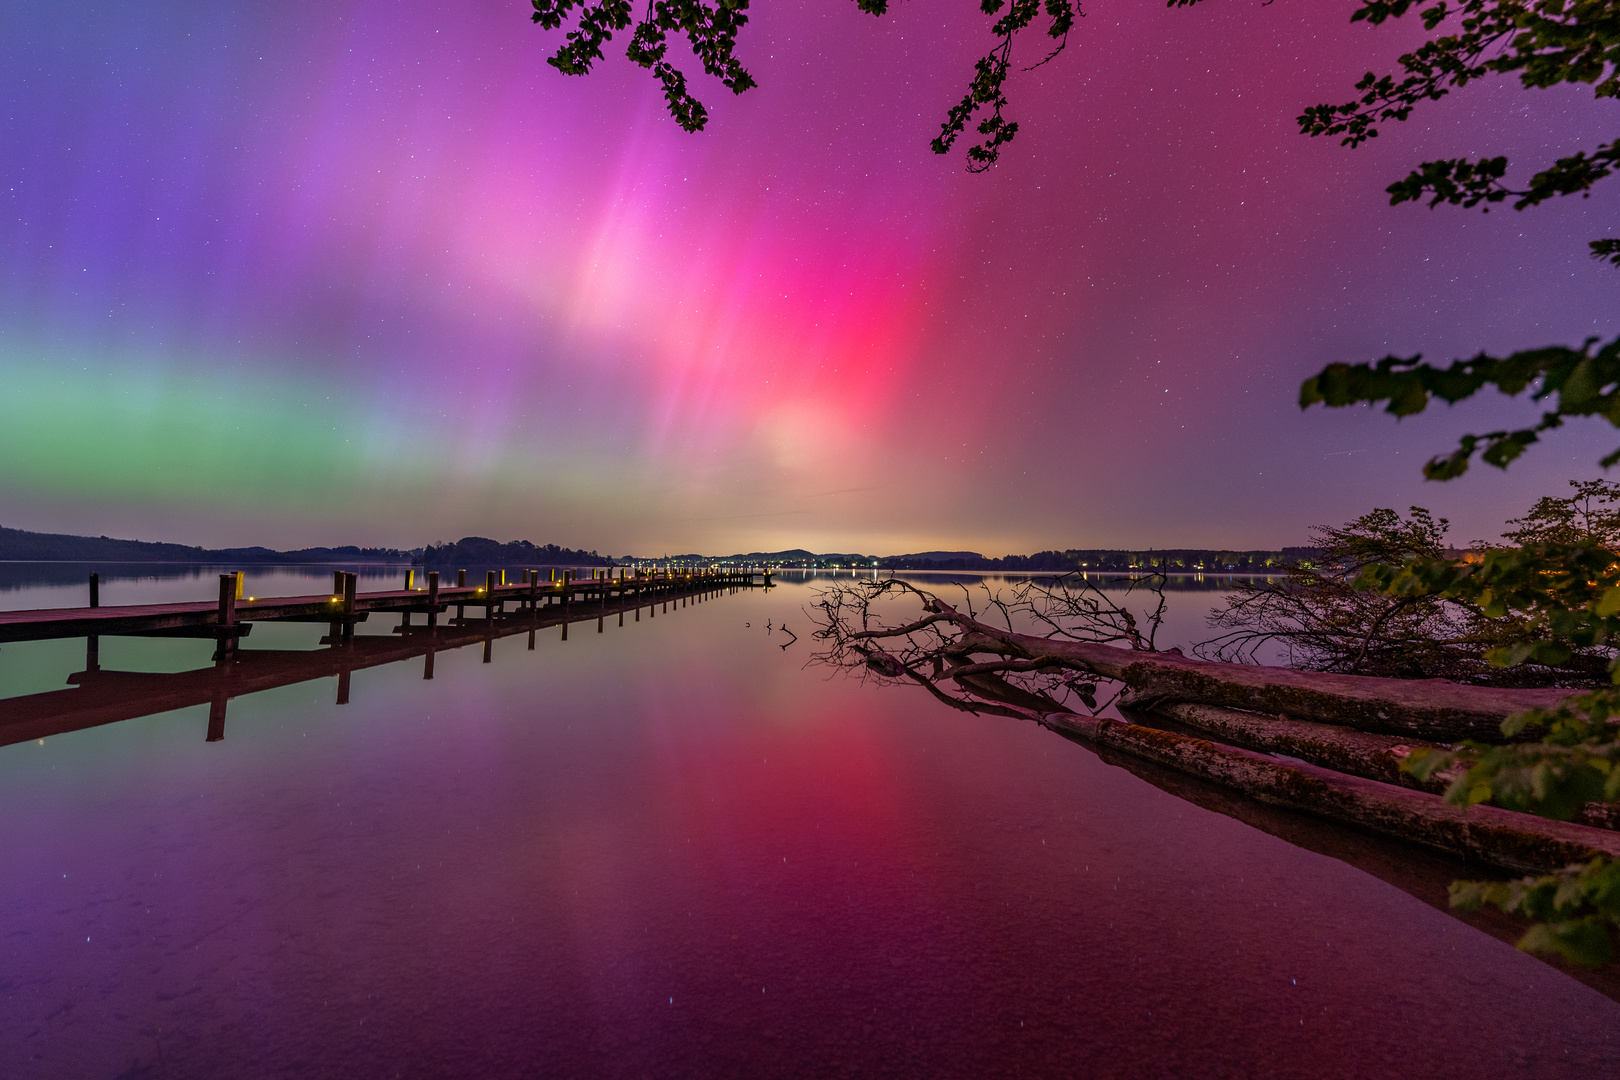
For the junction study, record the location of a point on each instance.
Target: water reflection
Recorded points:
(678, 853)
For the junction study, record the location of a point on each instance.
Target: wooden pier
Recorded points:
(98, 696)
(233, 616)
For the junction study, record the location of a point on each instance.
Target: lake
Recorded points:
(674, 849)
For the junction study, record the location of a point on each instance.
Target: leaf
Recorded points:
(1584, 941)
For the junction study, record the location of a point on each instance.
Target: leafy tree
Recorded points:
(1590, 516)
(1321, 619)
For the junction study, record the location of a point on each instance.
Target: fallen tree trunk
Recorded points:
(1437, 710)
(1504, 839)
(1342, 749)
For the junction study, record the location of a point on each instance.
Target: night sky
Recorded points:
(349, 271)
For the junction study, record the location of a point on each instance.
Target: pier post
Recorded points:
(410, 581)
(343, 685)
(350, 586)
(335, 628)
(427, 664)
(461, 583)
(227, 616)
(433, 598)
(95, 590)
(92, 653)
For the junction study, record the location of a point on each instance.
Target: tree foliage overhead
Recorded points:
(1546, 43)
(1575, 382)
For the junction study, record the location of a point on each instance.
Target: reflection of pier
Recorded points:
(105, 697)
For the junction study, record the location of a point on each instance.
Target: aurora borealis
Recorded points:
(354, 272)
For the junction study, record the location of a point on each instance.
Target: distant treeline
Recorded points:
(482, 551)
(19, 544)
(1175, 560)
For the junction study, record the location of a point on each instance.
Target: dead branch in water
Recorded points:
(979, 663)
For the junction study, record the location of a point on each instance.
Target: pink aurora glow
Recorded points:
(517, 304)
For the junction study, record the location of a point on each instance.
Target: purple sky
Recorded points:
(355, 272)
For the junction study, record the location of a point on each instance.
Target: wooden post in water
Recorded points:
(343, 685)
(92, 653)
(531, 639)
(335, 628)
(410, 580)
(351, 584)
(489, 647)
(227, 616)
(433, 598)
(427, 664)
(241, 576)
(489, 593)
(461, 583)
(95, 590)
(599, 619)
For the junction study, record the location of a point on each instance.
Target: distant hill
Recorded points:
(22, 545)
(482, 551)
(799, 555)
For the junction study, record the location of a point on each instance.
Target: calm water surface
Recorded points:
(672, 850)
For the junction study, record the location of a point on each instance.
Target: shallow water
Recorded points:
(673, 850)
